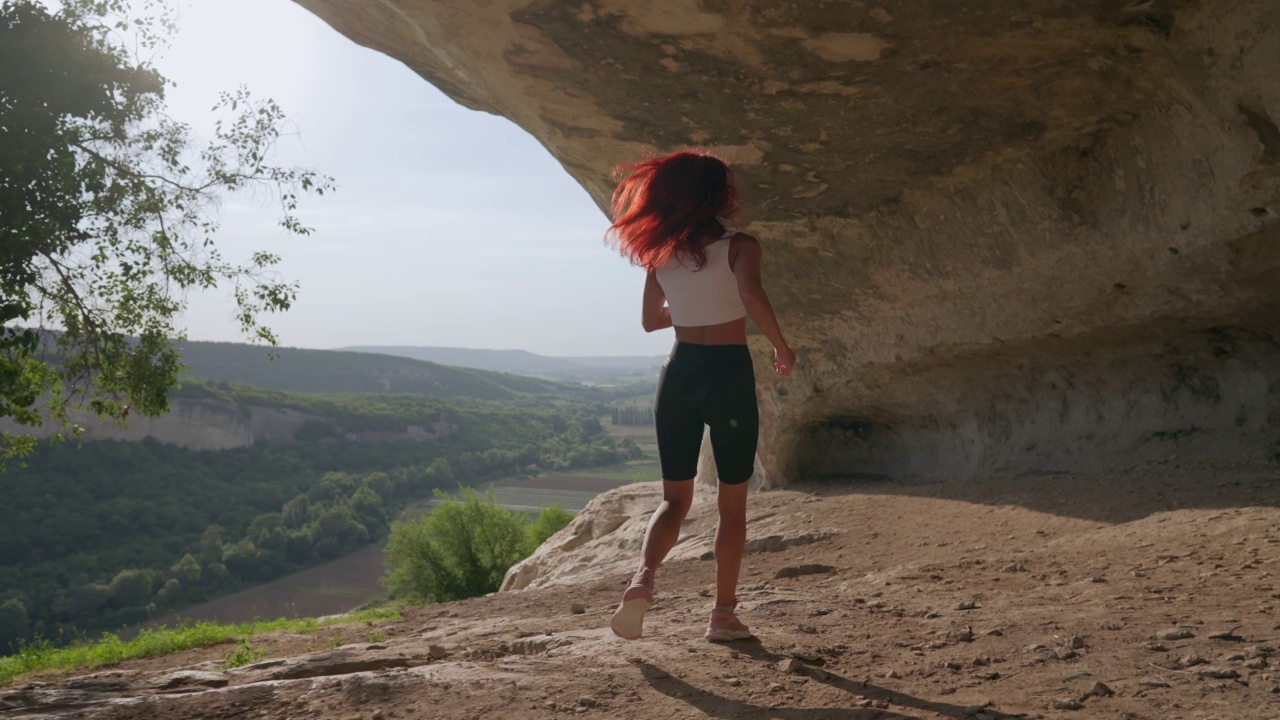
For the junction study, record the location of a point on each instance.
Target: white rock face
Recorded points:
(209, 424)
(1020, 236)
(604, 539)
(193, 424)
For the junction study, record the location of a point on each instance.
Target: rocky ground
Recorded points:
(1143, 595)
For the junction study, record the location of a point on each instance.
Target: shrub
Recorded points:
(244, 654)
(461, 549)
(549, 522)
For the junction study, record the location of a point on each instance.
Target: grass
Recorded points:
(41, 656)
(244, 654)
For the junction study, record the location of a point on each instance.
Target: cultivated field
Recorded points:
(572, 492)
(352, 581)
(336, 587)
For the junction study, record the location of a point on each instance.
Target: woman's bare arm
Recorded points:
(746, 269)
(654, 313)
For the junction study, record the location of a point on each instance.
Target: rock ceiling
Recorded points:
(1006, 235)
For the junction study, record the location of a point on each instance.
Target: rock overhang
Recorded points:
(996, 231)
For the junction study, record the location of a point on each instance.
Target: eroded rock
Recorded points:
(340, 661)
(1037, 236)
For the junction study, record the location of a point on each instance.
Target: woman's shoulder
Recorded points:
(740, 240)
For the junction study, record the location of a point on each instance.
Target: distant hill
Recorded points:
(523, 362)
(333, 371)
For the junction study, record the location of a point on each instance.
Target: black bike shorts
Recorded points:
(711, 385)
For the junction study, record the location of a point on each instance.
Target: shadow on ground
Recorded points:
(1112, 498)
(717, 706)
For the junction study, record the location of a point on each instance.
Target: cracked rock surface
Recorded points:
(916, 617)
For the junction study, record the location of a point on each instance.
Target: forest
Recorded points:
(106, 534)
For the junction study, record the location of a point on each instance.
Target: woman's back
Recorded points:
(702, 296)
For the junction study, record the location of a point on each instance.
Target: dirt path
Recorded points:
(1145, 596)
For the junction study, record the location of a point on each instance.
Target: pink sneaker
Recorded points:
(628, 619)
(725, 625)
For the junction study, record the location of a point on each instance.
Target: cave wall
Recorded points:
(1003, 235)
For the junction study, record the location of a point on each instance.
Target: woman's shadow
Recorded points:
(717, 706)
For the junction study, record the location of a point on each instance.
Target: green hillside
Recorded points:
(331, 371)
(109, 533)
(615, 369)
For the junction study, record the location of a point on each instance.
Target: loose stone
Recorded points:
(790, 665)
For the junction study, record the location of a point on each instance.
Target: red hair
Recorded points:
(667, 205)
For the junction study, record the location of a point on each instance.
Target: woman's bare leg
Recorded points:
(663, 532)
(664, 526)
(731, 538)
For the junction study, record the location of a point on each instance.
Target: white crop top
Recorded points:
(702, 297)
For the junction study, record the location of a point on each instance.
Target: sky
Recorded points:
(449, 227)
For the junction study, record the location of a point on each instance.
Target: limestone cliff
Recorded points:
(205, 424)
(1005, 235)
(213, 424)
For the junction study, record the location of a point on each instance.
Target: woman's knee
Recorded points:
(678, 495)
(731, 500)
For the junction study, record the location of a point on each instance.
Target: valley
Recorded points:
(285, 515)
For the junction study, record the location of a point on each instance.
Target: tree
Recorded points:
(367, 507)
(262, 525)
(333, 485)
(380, 483)
(15, 626)
(440, 472)
(130, 588)
(297, 512)
(241, 559)
(171, 588)
(211, 544)
(630, 449)
(337, 530)
(108, 212)
(86, 600)
(298, 545)
(188, 569)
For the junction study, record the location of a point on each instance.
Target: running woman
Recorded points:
(704, 280)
